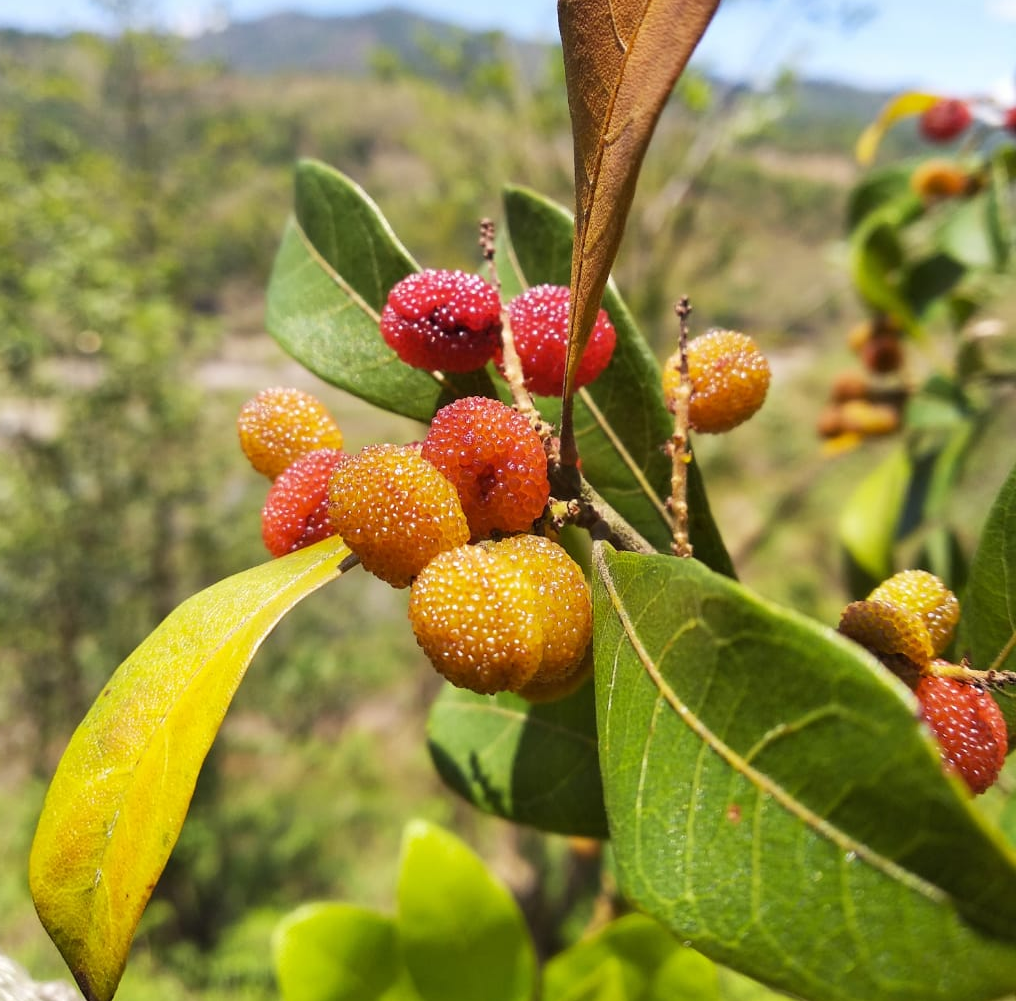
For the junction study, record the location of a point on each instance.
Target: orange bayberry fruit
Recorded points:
(867, 418)
(945, 120)
(565, 605)
(924, 594)
(446, 320)
(935, 180)
(279, 425)
(887, 630)
(539, 323)
(295, 514)
(395, 511)
(969, 728)
(729, 379)
(477, 619)
(496, 461)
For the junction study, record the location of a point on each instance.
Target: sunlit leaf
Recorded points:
(620, 418)
(120, 794)
(622, 59)
(340, 952)
(463, 936)
(903, 106)
(533, 764)
(338, 260)
(774, 800)
(989, 605)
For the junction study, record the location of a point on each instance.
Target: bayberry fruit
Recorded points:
(866, 418)
(729, 379)
(1009, 120)
(888, 630)
(924, 594)
(935, 180)
(395, 511)
(945, 120)
(539, 323)
(882, 353)
(496, 461)
(295, 514)
(446, 320)
(969, 728)
(565, 604)
(477, 619)
(279, 425)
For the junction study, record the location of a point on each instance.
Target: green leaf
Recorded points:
(774, 800)
(886, 190)
(652, 965)
(871, 516)
(534, 764)
(121, 791)
(339, 952)
(929, 280)
(989, 605)
(877, 267)
(338, 260)
(967, 236)
(619, 441)
(621, 61)
(463, 936)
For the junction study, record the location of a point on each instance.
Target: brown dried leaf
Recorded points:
(622, 59)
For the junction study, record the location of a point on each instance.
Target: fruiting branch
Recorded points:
(677, 447)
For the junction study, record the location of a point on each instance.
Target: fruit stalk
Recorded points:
(677, 447)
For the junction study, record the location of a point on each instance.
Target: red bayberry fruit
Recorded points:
(1009, 121)
(279, 425)
(969, 728)
(445, 320)
(296, 509)
(495, 460)
(395, 511)
(539, 322)
(945, 120)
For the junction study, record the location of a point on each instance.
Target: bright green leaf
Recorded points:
(121, 791)
(877, 267)
(533, 764)
(620, 444)
(966, 236)
(339, 952)
(989, 605)
(463, 936)
(773, 799)
(886, 191)
(647, 958)
(338, 260)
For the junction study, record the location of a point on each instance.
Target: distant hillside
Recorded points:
(293, 42)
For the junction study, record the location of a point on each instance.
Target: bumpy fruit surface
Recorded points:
(946, 120)
(280, 425)
(729, 378)
(395, 511)
(887, 630)
(446, 320)
(477, 619)
(565, 604)
(539, 322)
(925, 595)
(969, 728)
(295, 514)
(496, 461)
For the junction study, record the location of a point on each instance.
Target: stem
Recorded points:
(680, 454)
(1003, 656)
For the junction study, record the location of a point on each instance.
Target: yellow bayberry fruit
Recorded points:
(866, 418)
(729, 379)
(395, 511)
(565, 604)
(935, 180)
(477, 619)
(887, 630)
(281, 425)
(924, 594)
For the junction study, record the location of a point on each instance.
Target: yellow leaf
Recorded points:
(622, 59)
(911, 103)
(121, 791)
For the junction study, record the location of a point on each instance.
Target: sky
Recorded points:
(954, 47)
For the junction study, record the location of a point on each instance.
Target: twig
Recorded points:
(677, 447)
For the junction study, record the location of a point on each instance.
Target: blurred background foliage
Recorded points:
(141, 198)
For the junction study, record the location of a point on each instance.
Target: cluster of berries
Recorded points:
(870, 402)
(728, 377)
(452, 321)
(908, 622)
(513, 614)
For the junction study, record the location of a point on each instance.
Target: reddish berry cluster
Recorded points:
(907, 622)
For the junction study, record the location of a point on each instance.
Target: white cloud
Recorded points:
(1001, 10)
